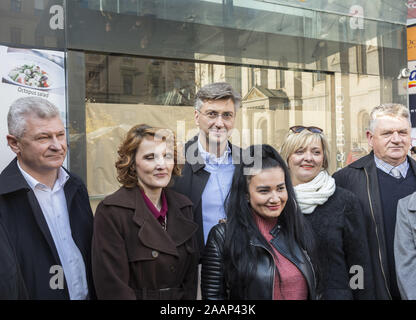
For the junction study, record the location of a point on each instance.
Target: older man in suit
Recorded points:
(44, 207)
(380, 179)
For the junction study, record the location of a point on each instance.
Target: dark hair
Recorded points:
(217, 91)
(240, 256)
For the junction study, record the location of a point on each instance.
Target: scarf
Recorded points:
(315, 192)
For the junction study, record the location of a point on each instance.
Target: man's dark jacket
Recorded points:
(29, 233)
(194, 178)
(360, 177)
(11, 281)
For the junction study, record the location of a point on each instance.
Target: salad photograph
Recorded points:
(30, 75)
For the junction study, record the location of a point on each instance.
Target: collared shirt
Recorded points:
(159, 215)
(221, 175)
(385, 167)
(55, 210)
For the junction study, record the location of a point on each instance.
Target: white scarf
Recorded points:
(315, 192)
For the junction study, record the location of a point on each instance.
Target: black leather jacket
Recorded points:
(214, 276)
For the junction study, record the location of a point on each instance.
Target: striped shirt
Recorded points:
(385, 167)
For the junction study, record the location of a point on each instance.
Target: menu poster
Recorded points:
(29, 73)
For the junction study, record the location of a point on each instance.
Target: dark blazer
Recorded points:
(30, 235)
(194, 178)
(360, 177)
(134, 258)
(12, 286)
(214, 276)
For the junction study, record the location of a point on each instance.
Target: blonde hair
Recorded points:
(294, 141)
(394, 110)
(126, 163)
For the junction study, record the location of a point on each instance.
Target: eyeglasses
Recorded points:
(226, 116)
(298, 129)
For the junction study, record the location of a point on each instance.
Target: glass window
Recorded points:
(93, 81)
(122, 91)
(129, 6)
(32, 23)
(39, 7)
(16, 5)
(247, 32)
(128, 84)
(16, 35)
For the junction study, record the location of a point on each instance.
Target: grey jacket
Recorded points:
(405, 247)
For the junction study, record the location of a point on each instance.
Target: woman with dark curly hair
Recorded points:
(144, 244)
(264, 251)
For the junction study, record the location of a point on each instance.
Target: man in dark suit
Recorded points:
(380, 179)
(210, 157)
(12, 286)
(44, 207)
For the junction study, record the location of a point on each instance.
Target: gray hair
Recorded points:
(395, 110)
(216, 91)
(29, 106)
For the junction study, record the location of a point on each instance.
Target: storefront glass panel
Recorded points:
(388, 11)
(240, 31)
(33, 23)
(323, 63)
(122, 91)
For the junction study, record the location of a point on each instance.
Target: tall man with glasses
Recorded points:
(379, 180)
(210, 157)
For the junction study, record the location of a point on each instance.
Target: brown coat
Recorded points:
(134, 258)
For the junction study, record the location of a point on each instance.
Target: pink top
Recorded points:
(159, 215)
(293, 285)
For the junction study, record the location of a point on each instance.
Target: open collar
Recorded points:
(196, 161)
(210, 158)
(12, 180)
(32, 182)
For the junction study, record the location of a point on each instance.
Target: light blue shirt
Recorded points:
(55, 210)
(216, 190)
(385, 167)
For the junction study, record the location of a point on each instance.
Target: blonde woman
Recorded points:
(334, 214)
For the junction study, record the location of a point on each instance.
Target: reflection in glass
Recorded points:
(122, 91)
(257, 33)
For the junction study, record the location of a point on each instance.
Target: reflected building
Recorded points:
(313, 63)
